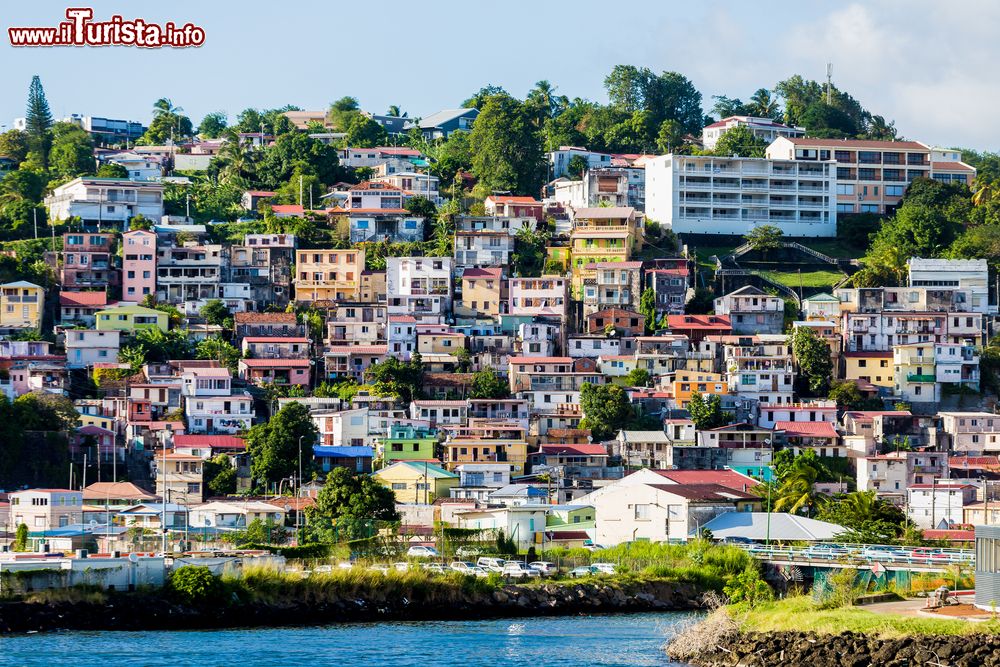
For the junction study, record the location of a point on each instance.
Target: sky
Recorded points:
(929, 65)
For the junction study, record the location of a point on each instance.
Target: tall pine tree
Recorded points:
(38, 120)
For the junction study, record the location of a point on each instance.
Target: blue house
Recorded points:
(443, 123)
(356, 458)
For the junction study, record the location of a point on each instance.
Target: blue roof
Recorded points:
(358, 452)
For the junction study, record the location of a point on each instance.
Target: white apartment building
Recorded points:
(105, 200)
(188, 276)
(559, 159)
(538, 339)
(415, 183)
(760, 367)
(86, 347)
(211, 406)
(975, 433)
(45, 509)
(342, 428)
(140, 167)
(966, 274)
(891, 474)
(492, 223)
(401, 336)
(767, 129)
(938, 504)
(419, 286)
(716, 195)
(483, 248)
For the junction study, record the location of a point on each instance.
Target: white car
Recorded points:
(462, 566)
(544, 567)
(379, 568)
(468, 552)
(594, 547)
(421, 552)
(604, 568)
(519, 570)
(401, 566)
(478, 572)
(436, 568)
(491, 564)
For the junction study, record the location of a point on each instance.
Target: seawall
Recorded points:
(157, 611)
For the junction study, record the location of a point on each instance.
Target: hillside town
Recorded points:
(340, 325)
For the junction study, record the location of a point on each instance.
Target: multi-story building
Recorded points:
(86, 347)
(328, 275)
(611, 285)
(481, 248)
(189, 276)
(138, 264)
(760, 367)
(892, 473)
(351, 361)
(407, 442)
(871, 175)
(105, 201)
(539, 297)
(130, 319)
(87, 262)
(356, 323)
(415, 184)
(179, 478)
(139, 167)
(947, 167)
(508, 206)
(484, 293)
(419, 286)
(752, 311)
(81, 307)
(603, 235)
(46, 509)
(972, 433)
(879, 318)
(559, 159)
(939, 503)
(607, 186)
(766, 129)
(211, 405)
(402, 336)
(355, 158)
(21, 305)
(965, 274)
(264, 262)
(267, 325)
(920, 369)
(669, 279)
(730, 195)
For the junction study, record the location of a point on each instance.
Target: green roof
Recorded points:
(823, 296)
(135, 310)
(429, 468)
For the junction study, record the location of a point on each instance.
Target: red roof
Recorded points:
(260, 193)
(951, 166)
(226, 441)
(265, 318)
(507, 199)
(974, 462)
(275, 339)
(756, 121)
(727, 478)
(287, 208)
(373, 185)
(670, 272)
(495, 273)
(402, 318)
(859, 143)
(575, 450)
(705, 492)
(810, 429)
(951, 535)
(358, 349)
(83, 299)
(709, 322)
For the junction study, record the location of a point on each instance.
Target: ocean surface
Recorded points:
(616, 640)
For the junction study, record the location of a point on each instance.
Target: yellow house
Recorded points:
(329, 275)
(687, 383)
(482, 293)
(417, 481)
(440, 342)
(21, 305)
(131, 319)
(608, 234)
(372, 287)
(513, 452)
(874, 367)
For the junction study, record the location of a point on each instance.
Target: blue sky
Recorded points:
(929, 65)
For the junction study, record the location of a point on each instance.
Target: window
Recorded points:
(845, 188)
(642, 513)
(894, 191)
(399, 486)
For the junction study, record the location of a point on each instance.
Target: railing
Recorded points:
(920, 378)
(861, 553)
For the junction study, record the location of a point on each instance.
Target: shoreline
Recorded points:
(156, 611)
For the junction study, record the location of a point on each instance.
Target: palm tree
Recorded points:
(235, 158)
(395, 111)
(879, 129)
(984, 194)
(165, 106)
(763, 104)
(796, 491)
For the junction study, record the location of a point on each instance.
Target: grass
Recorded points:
(801, 614)
(822, 279)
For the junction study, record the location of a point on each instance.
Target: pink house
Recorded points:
(138, 264)
(275, 371)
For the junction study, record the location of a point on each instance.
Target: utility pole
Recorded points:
(163, 505)
(34, 217)
(933, 501)
(829, 84)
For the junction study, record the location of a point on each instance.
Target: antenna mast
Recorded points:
(829, 84)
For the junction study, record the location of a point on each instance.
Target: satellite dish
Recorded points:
(132, 558)
(92, 524)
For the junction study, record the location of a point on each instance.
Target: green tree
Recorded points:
(764, 105)
(576, 167)
(451, 157)
(168, 123)
(38, 120)
(647, 308)
(348, 505)
(215, 312)
(741, 142)
(796, 491)
(72, 152)
(638, 377)
(506, 148)
(14, 145)
(393, 377)
(670, 137)
(666, 96)
(867, 518)
(274, 445)
(342, 111)
(748, 588)
(213, 125)
(363, 132)
(707, 413)
(701, 303)
(217, 349)
(764, 238)
(528, 259)
(111, 170)
(20, 538)
(724, 107)
(812, 354)
(848, 397)
(39, 411)
(220, 475)
(606, 410)
(195, 584)
(482, 95)
(422, 207)
(487, 383)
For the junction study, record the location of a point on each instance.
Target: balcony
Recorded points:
(913, 377)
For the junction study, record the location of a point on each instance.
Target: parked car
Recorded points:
(604, 568)
(518, 570)
(583, 571)
(378, 567)
(468, 552)
(544, 567)
(593, 546)
(401, 566)
(436, 568)
(478, 571)
(462, 566)
(491, 564)
(421, 552)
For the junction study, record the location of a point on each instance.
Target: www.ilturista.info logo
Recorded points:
(80, 30)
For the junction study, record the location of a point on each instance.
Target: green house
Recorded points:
(408, 443)
(131, 319)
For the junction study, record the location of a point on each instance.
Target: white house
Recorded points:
(45, 509)
(211, 406)
(86, 347)
(766, 129)
(419, 286)
(939, 505)
(234, 515)
(520, 523)
(140, 167)
(105, 200)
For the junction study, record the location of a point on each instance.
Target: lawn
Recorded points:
(819, 279)
(801, 614)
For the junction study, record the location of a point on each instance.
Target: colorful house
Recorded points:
(21, 305)
(414, 482)
(408, 443)
(131, 319)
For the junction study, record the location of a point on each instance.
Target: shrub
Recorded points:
(747, 588)
(195, 584)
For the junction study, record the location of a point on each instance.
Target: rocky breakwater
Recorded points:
(806, 649)
(157, 610)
